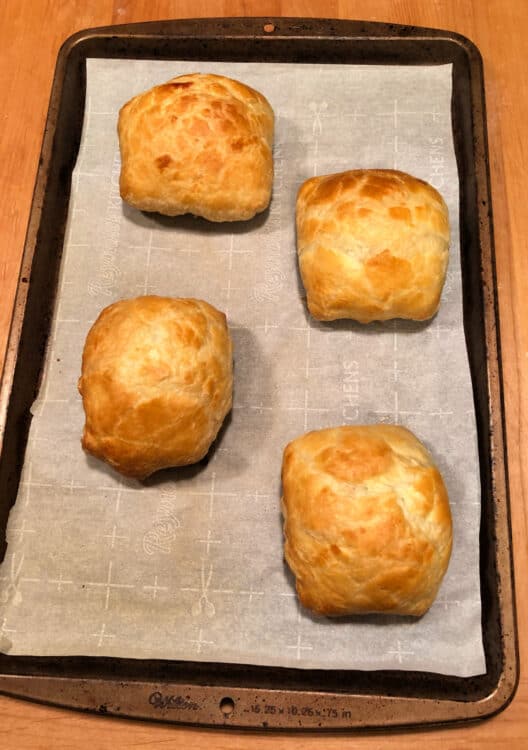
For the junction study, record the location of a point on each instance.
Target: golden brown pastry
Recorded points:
(373, 244)
(156, 383)
(366, 520)
(199, 144)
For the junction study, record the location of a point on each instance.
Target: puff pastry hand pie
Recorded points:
(372, 245)
(199, 144)
(366, 520)
(156, 383)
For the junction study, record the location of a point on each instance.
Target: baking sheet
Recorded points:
(189, 565)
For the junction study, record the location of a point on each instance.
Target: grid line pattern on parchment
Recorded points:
(189, 564)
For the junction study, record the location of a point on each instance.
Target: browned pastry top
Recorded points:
(373, 244)
(156, 383)
(199, 144)
(366, 519)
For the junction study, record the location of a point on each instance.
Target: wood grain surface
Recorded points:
(31, 32)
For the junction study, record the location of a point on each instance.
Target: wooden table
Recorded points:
(31, 32)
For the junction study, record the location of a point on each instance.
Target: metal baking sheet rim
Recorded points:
(266, 703)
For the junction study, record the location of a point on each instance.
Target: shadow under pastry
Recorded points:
(193, 224)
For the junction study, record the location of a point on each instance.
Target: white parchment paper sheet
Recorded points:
(189, 565)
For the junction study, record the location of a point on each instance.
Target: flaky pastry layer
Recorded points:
(367, 522)
(156, 383)
(373, 244)
(199, 144)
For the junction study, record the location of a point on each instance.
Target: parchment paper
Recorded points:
(189, 564)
